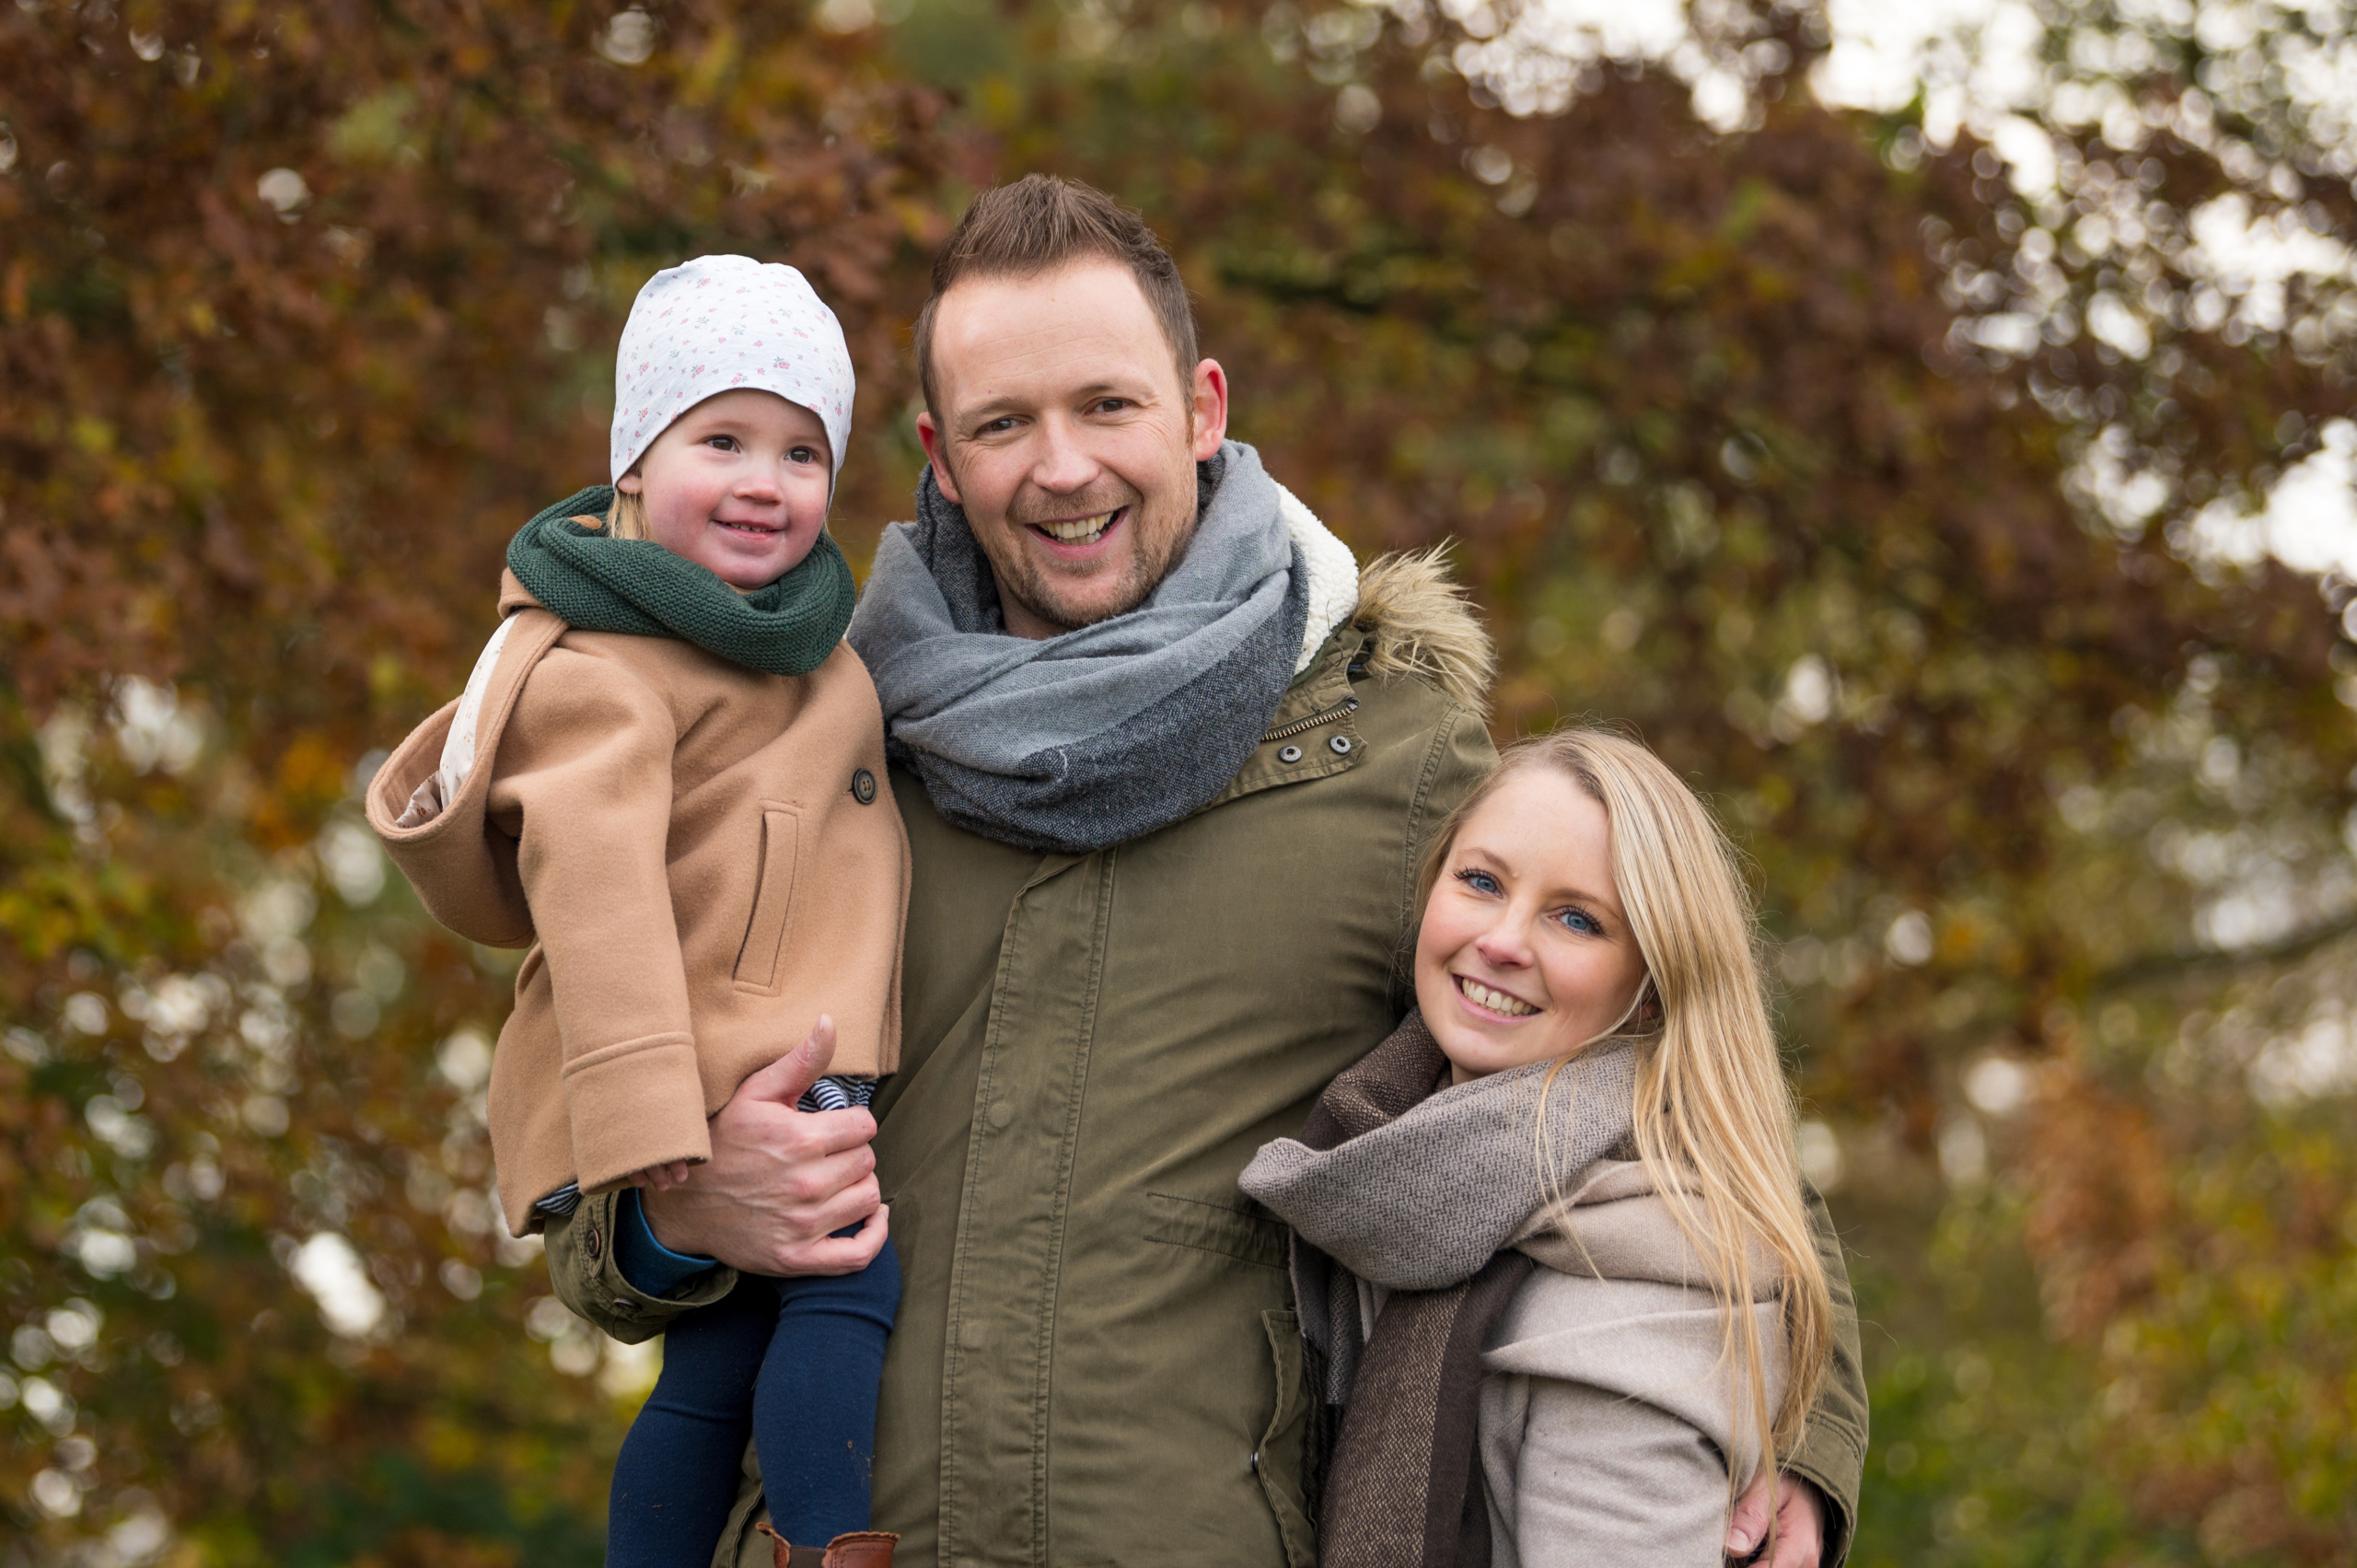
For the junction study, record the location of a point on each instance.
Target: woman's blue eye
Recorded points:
(1582, 921)
(1480, 881)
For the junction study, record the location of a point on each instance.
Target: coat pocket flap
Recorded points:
(1213, 1227)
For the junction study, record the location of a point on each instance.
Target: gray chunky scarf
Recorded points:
(1420, 1190)
(1104, 734)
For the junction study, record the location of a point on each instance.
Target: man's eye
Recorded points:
(1111, 405)
(998, 426)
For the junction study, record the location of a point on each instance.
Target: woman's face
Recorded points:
(1524, 954)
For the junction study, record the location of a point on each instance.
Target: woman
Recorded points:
(1551, 1232)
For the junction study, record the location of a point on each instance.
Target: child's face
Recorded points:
(738, 484)
(1524, 954)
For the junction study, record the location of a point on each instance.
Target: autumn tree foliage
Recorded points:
(1877, 486)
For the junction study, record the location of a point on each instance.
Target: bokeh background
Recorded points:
(1926, 421)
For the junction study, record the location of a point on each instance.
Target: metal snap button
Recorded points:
(593, 1244)
(1289, 754)
(863, 787)
(1341, 745)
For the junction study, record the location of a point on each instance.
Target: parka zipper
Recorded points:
(1285, 731)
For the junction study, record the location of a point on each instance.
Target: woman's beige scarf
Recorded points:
(1421, 1189)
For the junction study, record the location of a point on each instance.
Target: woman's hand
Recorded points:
(1800, 1521)
(780, 1181)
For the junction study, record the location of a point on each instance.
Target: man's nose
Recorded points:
(1062, 463)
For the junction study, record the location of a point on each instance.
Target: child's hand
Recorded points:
(661, 1178)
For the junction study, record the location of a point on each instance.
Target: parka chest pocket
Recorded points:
(757, 961)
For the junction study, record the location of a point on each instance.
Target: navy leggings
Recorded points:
(794, 1363)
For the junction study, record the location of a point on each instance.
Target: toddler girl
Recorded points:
(1550, 1236)
(665, 775)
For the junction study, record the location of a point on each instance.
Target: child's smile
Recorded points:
(739, 483)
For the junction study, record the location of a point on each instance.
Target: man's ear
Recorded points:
(1210, 397)
(936, 445)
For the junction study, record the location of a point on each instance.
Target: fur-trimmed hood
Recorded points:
(1425, 625)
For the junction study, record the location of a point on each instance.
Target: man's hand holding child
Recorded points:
(780, 1181)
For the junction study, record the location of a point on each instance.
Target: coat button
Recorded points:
(1290, 754)
(863, 787)
(1341, 745)
(1001, 1113)
(593, 1244)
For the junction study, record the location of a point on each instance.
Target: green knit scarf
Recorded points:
(635, 585)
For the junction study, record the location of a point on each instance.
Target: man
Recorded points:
(1167, 761)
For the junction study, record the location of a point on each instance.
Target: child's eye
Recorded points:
(721, 443)
(1480, 881)
(803, 455)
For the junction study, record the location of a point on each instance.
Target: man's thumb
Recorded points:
(788, 1078)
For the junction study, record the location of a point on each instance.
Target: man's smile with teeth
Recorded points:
(1495, 1001)
(1080, 530)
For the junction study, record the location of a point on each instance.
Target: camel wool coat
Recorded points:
(702, 858)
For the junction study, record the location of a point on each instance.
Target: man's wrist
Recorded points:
(644, 1260)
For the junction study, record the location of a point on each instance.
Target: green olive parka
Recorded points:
(1096, 1361)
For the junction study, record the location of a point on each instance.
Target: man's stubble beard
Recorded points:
(1155, 550)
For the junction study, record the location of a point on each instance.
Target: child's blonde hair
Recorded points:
(626, 519)
(1713, 1115)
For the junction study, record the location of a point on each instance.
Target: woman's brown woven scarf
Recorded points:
(1405, 1485)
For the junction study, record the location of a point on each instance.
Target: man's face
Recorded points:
(1065, 432)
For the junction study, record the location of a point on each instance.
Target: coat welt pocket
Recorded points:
(1213, 1227)
(757, 960)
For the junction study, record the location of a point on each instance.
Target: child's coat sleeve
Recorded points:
(584, 781)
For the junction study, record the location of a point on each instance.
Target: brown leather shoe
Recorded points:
(860, 1548)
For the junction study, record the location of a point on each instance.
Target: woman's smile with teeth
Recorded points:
(1080, 530)
(1495, 1001)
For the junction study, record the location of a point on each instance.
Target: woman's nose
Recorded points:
(1507, 944)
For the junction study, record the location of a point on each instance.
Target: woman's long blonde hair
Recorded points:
(1713, 1115)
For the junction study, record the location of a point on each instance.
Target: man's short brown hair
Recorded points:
(1040, 223)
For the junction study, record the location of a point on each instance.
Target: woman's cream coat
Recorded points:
(1609, 1426)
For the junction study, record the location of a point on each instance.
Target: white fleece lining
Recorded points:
(1333, 574)
(459, 746)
